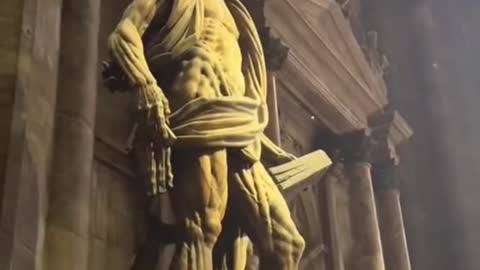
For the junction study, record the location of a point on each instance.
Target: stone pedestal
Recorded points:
(68, 220)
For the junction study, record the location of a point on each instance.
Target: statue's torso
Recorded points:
(219, 42)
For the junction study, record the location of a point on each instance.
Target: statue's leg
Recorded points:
(201, 175)
(199, 201)
(266, 218)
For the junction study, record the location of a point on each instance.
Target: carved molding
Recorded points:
(322, 43)
(317, 98)
(327, 70)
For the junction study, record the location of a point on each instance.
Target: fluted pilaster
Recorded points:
(67, 234)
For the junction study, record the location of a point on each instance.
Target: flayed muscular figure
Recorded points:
(198, 71)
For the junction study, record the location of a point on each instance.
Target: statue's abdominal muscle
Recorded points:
(211, 68)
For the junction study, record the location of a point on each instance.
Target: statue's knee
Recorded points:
(212, 228)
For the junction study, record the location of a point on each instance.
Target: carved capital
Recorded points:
(354, 147)
(374, 144)
(381, 125)
(384, 156)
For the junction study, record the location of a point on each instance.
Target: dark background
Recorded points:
(434, 81)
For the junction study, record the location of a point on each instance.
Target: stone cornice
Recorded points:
(336, 58)
(311, 92)
(327, 70)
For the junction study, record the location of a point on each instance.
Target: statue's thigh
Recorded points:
(265, 214)
(200, 182)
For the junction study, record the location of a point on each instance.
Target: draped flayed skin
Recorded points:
(248, 112)
(212, 124)
(232, 120)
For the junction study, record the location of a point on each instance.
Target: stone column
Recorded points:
(385, 160)
(336, 249)
(367, 246)
(67, 234)
(273, 128)
(390, 216)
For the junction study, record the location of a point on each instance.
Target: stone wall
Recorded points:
(28, 78)
(117, 213)
(116, 220)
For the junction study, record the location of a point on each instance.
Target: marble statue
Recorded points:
(198, 73)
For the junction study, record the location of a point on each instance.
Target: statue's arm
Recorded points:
(125, 43)
(126, 47)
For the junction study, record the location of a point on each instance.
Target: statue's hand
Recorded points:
(154, 103)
